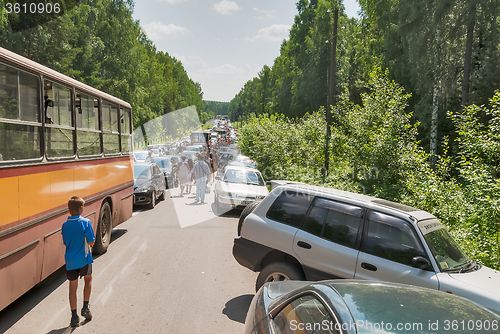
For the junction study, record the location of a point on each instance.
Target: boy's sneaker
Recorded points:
(86, 313)
(75, 321)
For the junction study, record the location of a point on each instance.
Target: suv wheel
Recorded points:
(246, 211)
(278, 271)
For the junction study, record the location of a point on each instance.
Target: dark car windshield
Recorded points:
(247, 177)
(446, 251)
(142, 172)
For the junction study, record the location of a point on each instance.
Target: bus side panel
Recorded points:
(34, 194)
(19, 268)
(127, 202)
(9, 199)
(53, 246)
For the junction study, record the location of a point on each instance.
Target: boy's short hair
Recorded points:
(75, 203)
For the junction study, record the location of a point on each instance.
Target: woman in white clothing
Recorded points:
(183, 174)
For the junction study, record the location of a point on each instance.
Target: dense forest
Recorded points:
(99, 43)
(213, 108)
(443, 52)
(416, 112)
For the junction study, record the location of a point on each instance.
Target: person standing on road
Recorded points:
(78, 236)
(183, 174)
(201, 171)
(191, 179)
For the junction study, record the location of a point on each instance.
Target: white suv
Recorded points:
(305, 232)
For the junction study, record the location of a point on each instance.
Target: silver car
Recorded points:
(352, 306)
(238, 186)
(305, 232)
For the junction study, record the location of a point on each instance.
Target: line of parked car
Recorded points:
(397, 265)
(155, 172)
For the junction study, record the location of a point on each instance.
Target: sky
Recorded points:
(221, 43)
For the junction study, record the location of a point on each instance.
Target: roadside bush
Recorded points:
(373, 150)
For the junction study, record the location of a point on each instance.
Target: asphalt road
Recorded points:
(167, 270)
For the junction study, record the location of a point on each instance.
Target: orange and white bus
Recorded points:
(58, 138)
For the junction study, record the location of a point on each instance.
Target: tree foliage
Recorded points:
(375, 150)
(99, 43)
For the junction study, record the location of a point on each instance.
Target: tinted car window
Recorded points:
(341, 228)
(314, 221)
(304, 315)
(393, 240)
(290, 208)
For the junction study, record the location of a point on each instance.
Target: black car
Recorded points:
(149, 183)
(224, 159)
(168, 169)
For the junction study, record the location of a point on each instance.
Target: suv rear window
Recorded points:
(290, 208)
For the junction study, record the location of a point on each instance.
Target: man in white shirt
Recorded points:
(201, 170)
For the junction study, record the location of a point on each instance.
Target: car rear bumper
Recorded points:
(234, 202)
(249, 254)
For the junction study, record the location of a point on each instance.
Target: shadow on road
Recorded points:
(237, 308)
(24, 304)
(232, 213)
(115, 234)
(65, 330)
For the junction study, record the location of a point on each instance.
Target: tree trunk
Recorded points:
(468, 54)
(435, 101)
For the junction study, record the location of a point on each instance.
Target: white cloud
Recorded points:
(155, 30)
(221, 82)
(226, 7)
(267, 15)
(275, 32)
(191, 62)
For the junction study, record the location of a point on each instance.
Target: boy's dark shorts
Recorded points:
(83, 271)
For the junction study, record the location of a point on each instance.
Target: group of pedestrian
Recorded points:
(199, 173)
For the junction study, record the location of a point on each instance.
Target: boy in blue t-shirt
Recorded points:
(78, 237)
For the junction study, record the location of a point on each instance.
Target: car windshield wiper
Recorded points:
(473, 267)
(468, 264)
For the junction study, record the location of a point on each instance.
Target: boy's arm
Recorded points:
(89, 234)
(63, 235)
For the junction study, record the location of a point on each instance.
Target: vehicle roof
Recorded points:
(368, 201)
(245, 168)
(144, 163)
(164, 157)
(50, 73)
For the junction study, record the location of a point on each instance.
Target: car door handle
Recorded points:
(304, 245)
(368, 266)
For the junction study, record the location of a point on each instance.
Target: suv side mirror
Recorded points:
(217, 177)
(421, 263)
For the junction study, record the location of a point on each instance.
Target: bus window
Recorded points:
(58, 121)
(87, 123)
(126, 130)
(19, 101)
(111, 137)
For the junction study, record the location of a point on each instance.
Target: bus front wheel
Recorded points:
(104, 226)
